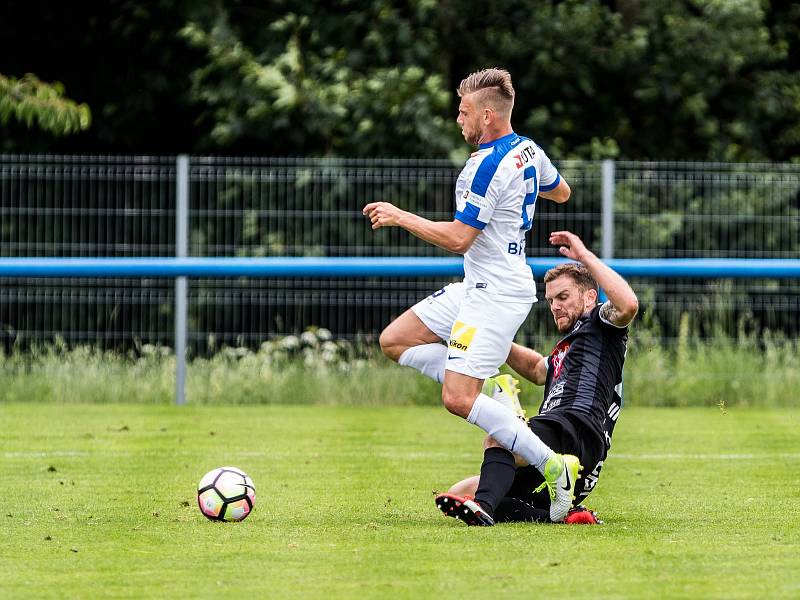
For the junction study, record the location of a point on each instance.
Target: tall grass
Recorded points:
(312, 369)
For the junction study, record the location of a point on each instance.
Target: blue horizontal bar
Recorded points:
(372, 267)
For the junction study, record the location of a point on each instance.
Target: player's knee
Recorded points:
(456, 403)
(390, 345)
(490, 442)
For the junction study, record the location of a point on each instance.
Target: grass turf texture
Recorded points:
(99, 501)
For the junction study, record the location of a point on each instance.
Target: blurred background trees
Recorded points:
(655, 79)
(36, 103)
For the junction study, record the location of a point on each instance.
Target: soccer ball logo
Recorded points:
(226, 494)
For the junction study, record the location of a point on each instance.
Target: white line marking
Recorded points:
(674, 456)
(44, 454)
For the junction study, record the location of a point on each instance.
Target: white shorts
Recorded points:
(477, 327)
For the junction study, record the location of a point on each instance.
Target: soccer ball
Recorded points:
(226, 494)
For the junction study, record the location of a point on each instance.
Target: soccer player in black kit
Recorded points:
(582, 393)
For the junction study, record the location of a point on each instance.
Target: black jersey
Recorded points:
(584, 375)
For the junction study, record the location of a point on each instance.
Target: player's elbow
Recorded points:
(628, 309)
(559, 194)
(461, 245)
(562, 193)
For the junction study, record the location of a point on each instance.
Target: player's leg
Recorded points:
(530, 490)
(465, 487)
(414, 339)
(405, 332)
(500, 474)
(479, 342)
(497, 476)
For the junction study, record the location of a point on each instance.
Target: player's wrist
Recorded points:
(402, 218)
(587, 258)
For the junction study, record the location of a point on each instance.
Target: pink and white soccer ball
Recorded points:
(226, 494)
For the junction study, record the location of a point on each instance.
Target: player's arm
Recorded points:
(454, 236)
(622, 304)
(528, 363)
(559, 194)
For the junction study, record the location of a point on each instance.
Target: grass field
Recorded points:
(98, 501)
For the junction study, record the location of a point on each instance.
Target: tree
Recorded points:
(644, 79)
(314, 79)
(652, 79)
(34, 102)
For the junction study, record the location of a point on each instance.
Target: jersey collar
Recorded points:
(505, 138)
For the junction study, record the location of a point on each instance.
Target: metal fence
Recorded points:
(121, 206)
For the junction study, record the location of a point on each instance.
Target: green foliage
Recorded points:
(301, 85)
(600, 81)
(36, 103)
(657, 79)
(102, 498)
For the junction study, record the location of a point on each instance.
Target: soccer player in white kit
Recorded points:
(496, 195)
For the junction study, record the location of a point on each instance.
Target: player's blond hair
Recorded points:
(575, 271)
(495, 90)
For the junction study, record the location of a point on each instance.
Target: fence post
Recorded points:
(607, 249)
(181, 285)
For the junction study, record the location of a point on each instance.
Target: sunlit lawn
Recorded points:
(99, 501)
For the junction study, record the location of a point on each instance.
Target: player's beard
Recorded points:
(565, 326)
(473, 135)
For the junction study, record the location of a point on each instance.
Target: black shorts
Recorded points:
(565, 437)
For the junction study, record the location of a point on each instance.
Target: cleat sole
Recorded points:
(461, 510)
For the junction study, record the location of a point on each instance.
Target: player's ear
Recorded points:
(591, 296)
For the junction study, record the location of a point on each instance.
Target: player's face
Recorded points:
(568, 302)
(470, 118)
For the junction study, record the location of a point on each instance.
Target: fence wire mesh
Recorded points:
(82, 206)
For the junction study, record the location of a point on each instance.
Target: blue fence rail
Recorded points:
(356, 267)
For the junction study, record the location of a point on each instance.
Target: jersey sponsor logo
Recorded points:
(524, 157)
(557, 358)
(591, 479)
(473, 198)
(461, 335)
(517, 248)
(553, 398)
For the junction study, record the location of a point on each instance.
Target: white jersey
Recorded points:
(496, 193)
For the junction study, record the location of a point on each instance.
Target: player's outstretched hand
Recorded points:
(382, 214)
(570, 244)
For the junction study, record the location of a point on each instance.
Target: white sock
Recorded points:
(428, 359)
(510, 432)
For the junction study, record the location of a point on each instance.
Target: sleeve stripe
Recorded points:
(469, 216)
(550, 186)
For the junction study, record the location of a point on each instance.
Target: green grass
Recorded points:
(98, 502)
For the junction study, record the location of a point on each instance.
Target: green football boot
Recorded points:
(503, 388)
(560, 474)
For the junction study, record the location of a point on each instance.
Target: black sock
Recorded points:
(497, 475)
(513, 510)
